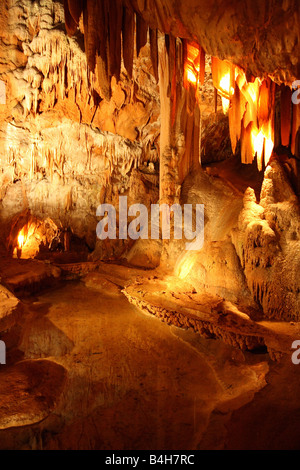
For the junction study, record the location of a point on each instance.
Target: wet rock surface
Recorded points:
(29, 392)
(126, 380)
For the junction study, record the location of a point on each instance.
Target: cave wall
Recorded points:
(63, 149)
(67, 145)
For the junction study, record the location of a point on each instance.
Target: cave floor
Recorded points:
(97, 373)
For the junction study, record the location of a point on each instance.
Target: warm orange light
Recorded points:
(251, 108)
(185, 264)
(191, 77)
(262, 145)
(253, 90)
(224, 75)
(192, 65)
(269, 144)
(257, 140)
(21, 240)
(25, 234)
(225, 88)
(225, 85)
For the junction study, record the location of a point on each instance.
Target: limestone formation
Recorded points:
(129, 339)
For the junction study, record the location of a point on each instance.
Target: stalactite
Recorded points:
(196, 157)
(236, 114)
(189, 143)
(75, 9)
(223, 74)
(193, 65)
(247, 152)
(128, 28)
(295, 141)
(251, 93)
(268, 127)
(202, 66)
(115, 28)
(191, 74)
(286, 115)
(93, 23)
(265, 102)
(154, 52)
(71, 25)
(103, 73)
(141, 34)
(173, 77)
(69, 201)
(166, 129)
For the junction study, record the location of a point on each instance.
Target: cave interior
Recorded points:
(117, 332)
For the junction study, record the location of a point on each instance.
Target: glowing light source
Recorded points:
(25, 234)
(185, 265)
(224, 75)
(251, 110)
(192, 65)
(191, 77)
(226, 91)
(21, 240)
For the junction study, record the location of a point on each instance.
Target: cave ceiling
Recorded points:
(260, 36)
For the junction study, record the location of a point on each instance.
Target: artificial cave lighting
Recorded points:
(21, 240)
(26, 241)
(194, 66)
(224, 75)
(185, 265)
(251, 103)
(150, 226)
